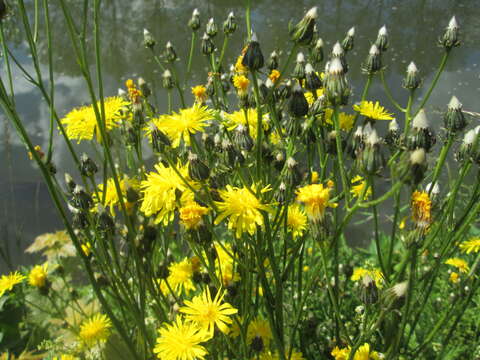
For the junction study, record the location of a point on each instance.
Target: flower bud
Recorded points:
(167, 80)
(253, 58)
(81, 199)
(211, 28)
(317, 52)
(357, 144)
(70, 182)
(347, 43)
(382, 39)
(272, 63)
(454, 118)
(229, 26)
(208, 46)
(87, 166)
(467, 151)
(338, 52)
(299, 69)
(336, 87)
(371, 158)
(433, 191)
(422, 135)
(393, 135)
(331, 142)
(318, 106)
(148, 39)
(450, 36)
(312, 81)
(194, 21)
(105, 223)
(170, 53)
(293, 176)
(369, 292)
(144, 88)
(412, 80)
(159, 139)
(303, 32)
(373, 63)
(197, 170)
(243, 138)
(413, 166)
(298, 104)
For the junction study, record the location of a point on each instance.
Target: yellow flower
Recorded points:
(243, 208)
(274, 75)
(340, 354)
(310, 98)
(314, 177)
(191, 215)
(472, 245)
(95, 330)
(207, 312)
(241, 84)
(81, 123)
(358, 184)
(238, 117)
(421, 207)
(200, 93)
(362, 353)
(373, 110)
(111, 195)
(38, 275)
(375, 274)
(87, 248)
(181, 275)
(7, 282)
(259, 328)
(180, 341)
(160, 192)
(346, 120)
(133, 93)
(296, 221)
(65, 357)
(460, 264)
(454, 277)
(239, 67)
(224, 266)
(38, 150)
(316, 198)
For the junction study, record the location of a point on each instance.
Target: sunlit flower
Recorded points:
(316, 198)
(224, 266)
(259, 328)
(296, 220)
(133, 92)
(191, 215)
(358, 185)
(38, 275)
(373, 110)
(472, 245)
(239, 67)
(363, 353)
(160, 192)
(238, 118)
(340, 354)
(65, 357)
(180, 341)
(81, 123)
(180, 278)
(241, 84)
(359, 273)
(454, 277)
(460, 264)
(200, 93)
(421, 209)
(274, 75)
(345, 120)
(95, 330)
(243, 209)
(207, 312)
(111, 196)
(87, 248)
(310, 98)
(7, 282)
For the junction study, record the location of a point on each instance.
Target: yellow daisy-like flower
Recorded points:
(239, 67)
(224, 266)
(160, 192)
(241, 83)
(238, 117)
(373, 110)
(310, 98)
(200, 93)
(65, 357)
(243, 209)
(87, 248)
(358, 185)
(460, 264)
(296, 220)
(274, 75)
(179, 126)
(81, 123)
(207, 312)
(38, 275)
(340, 354)
(363, 353)
(7, 282)
(111, 196)
(180, 341)
(346, 120)
(181, 277)
(259, 328)
(316, 198)
(421, 209)
(375, 274)
(454, 277)
(191, 215)
(472, 245)
(95, 330)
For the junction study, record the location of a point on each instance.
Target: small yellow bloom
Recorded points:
(7, 282)
(421, 208)
(296, 220)
(316, 198)
(200, 93)
(239, 67)
(38, 276)
(241, 83)
(359, 273)
(472, 245)
(133, 93)
(454, 277)
(460, 264)
(314, 178)
(373, 110)
(191, 215)
(274, 75)
(345, 120)
(87, 248)
(95, 330)
(310, 98)
(358, 185)
(181, 276)
(259, 328)
(249, 119)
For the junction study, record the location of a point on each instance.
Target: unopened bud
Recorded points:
(412, 80)
(211, 28)
(303, 32)
(382, 39)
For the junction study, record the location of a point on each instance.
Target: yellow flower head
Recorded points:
(81, 123)
(243, 208)
(7, 282)
(373, 110)
(274, 75)
(87, 248)
(111, 196)
(358, 185)
(160, 192)
(346, 120)
(259, 328)
(65, 357)
(460, 264)
(191, 215)
(296, 221)
(207, 312)
(241, 83)
(362, 353)
(95, 330)
(374, 273)
(180, 340)
(238, 118)
(200, 93)
(472, 245)
(181, 276)
(239, 67)
(133, 93)
(224, 266)
(316, 198)
(38, 276)
(454, 277)
(421, 209)
(340, 354)
(38, 150)
(310, 98)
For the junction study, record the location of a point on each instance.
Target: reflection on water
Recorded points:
(414, 26)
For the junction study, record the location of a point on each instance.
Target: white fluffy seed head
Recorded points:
(291, 162)
(169, 45)
(309, 69)
(337, 49)
(195, 12)
(167, 74)
(383, 31)
(393, 125)
(469, 137)
(205, 36)
(367, 130)
(327, 67)
(269, 83)
(300, 57)
(312, 13)
(231, 15)
(420, 121)
(373, 138)
(399, 290)
(274, 54)
(211, 21)
(351, 32)
(412, 68)
(453, 23)
(146, 32)
(435, 190)
(335, 66)
(374, 50)
(454, 104)
(418, 156)
(121, 92)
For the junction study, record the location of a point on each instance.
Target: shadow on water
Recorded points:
(414, 27)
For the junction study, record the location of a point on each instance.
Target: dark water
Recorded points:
(413, 25)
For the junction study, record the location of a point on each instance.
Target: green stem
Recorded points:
(259, 126)
(341, 164)
(190, 56)
(441, 160)
(377, 235)
(388, 92)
